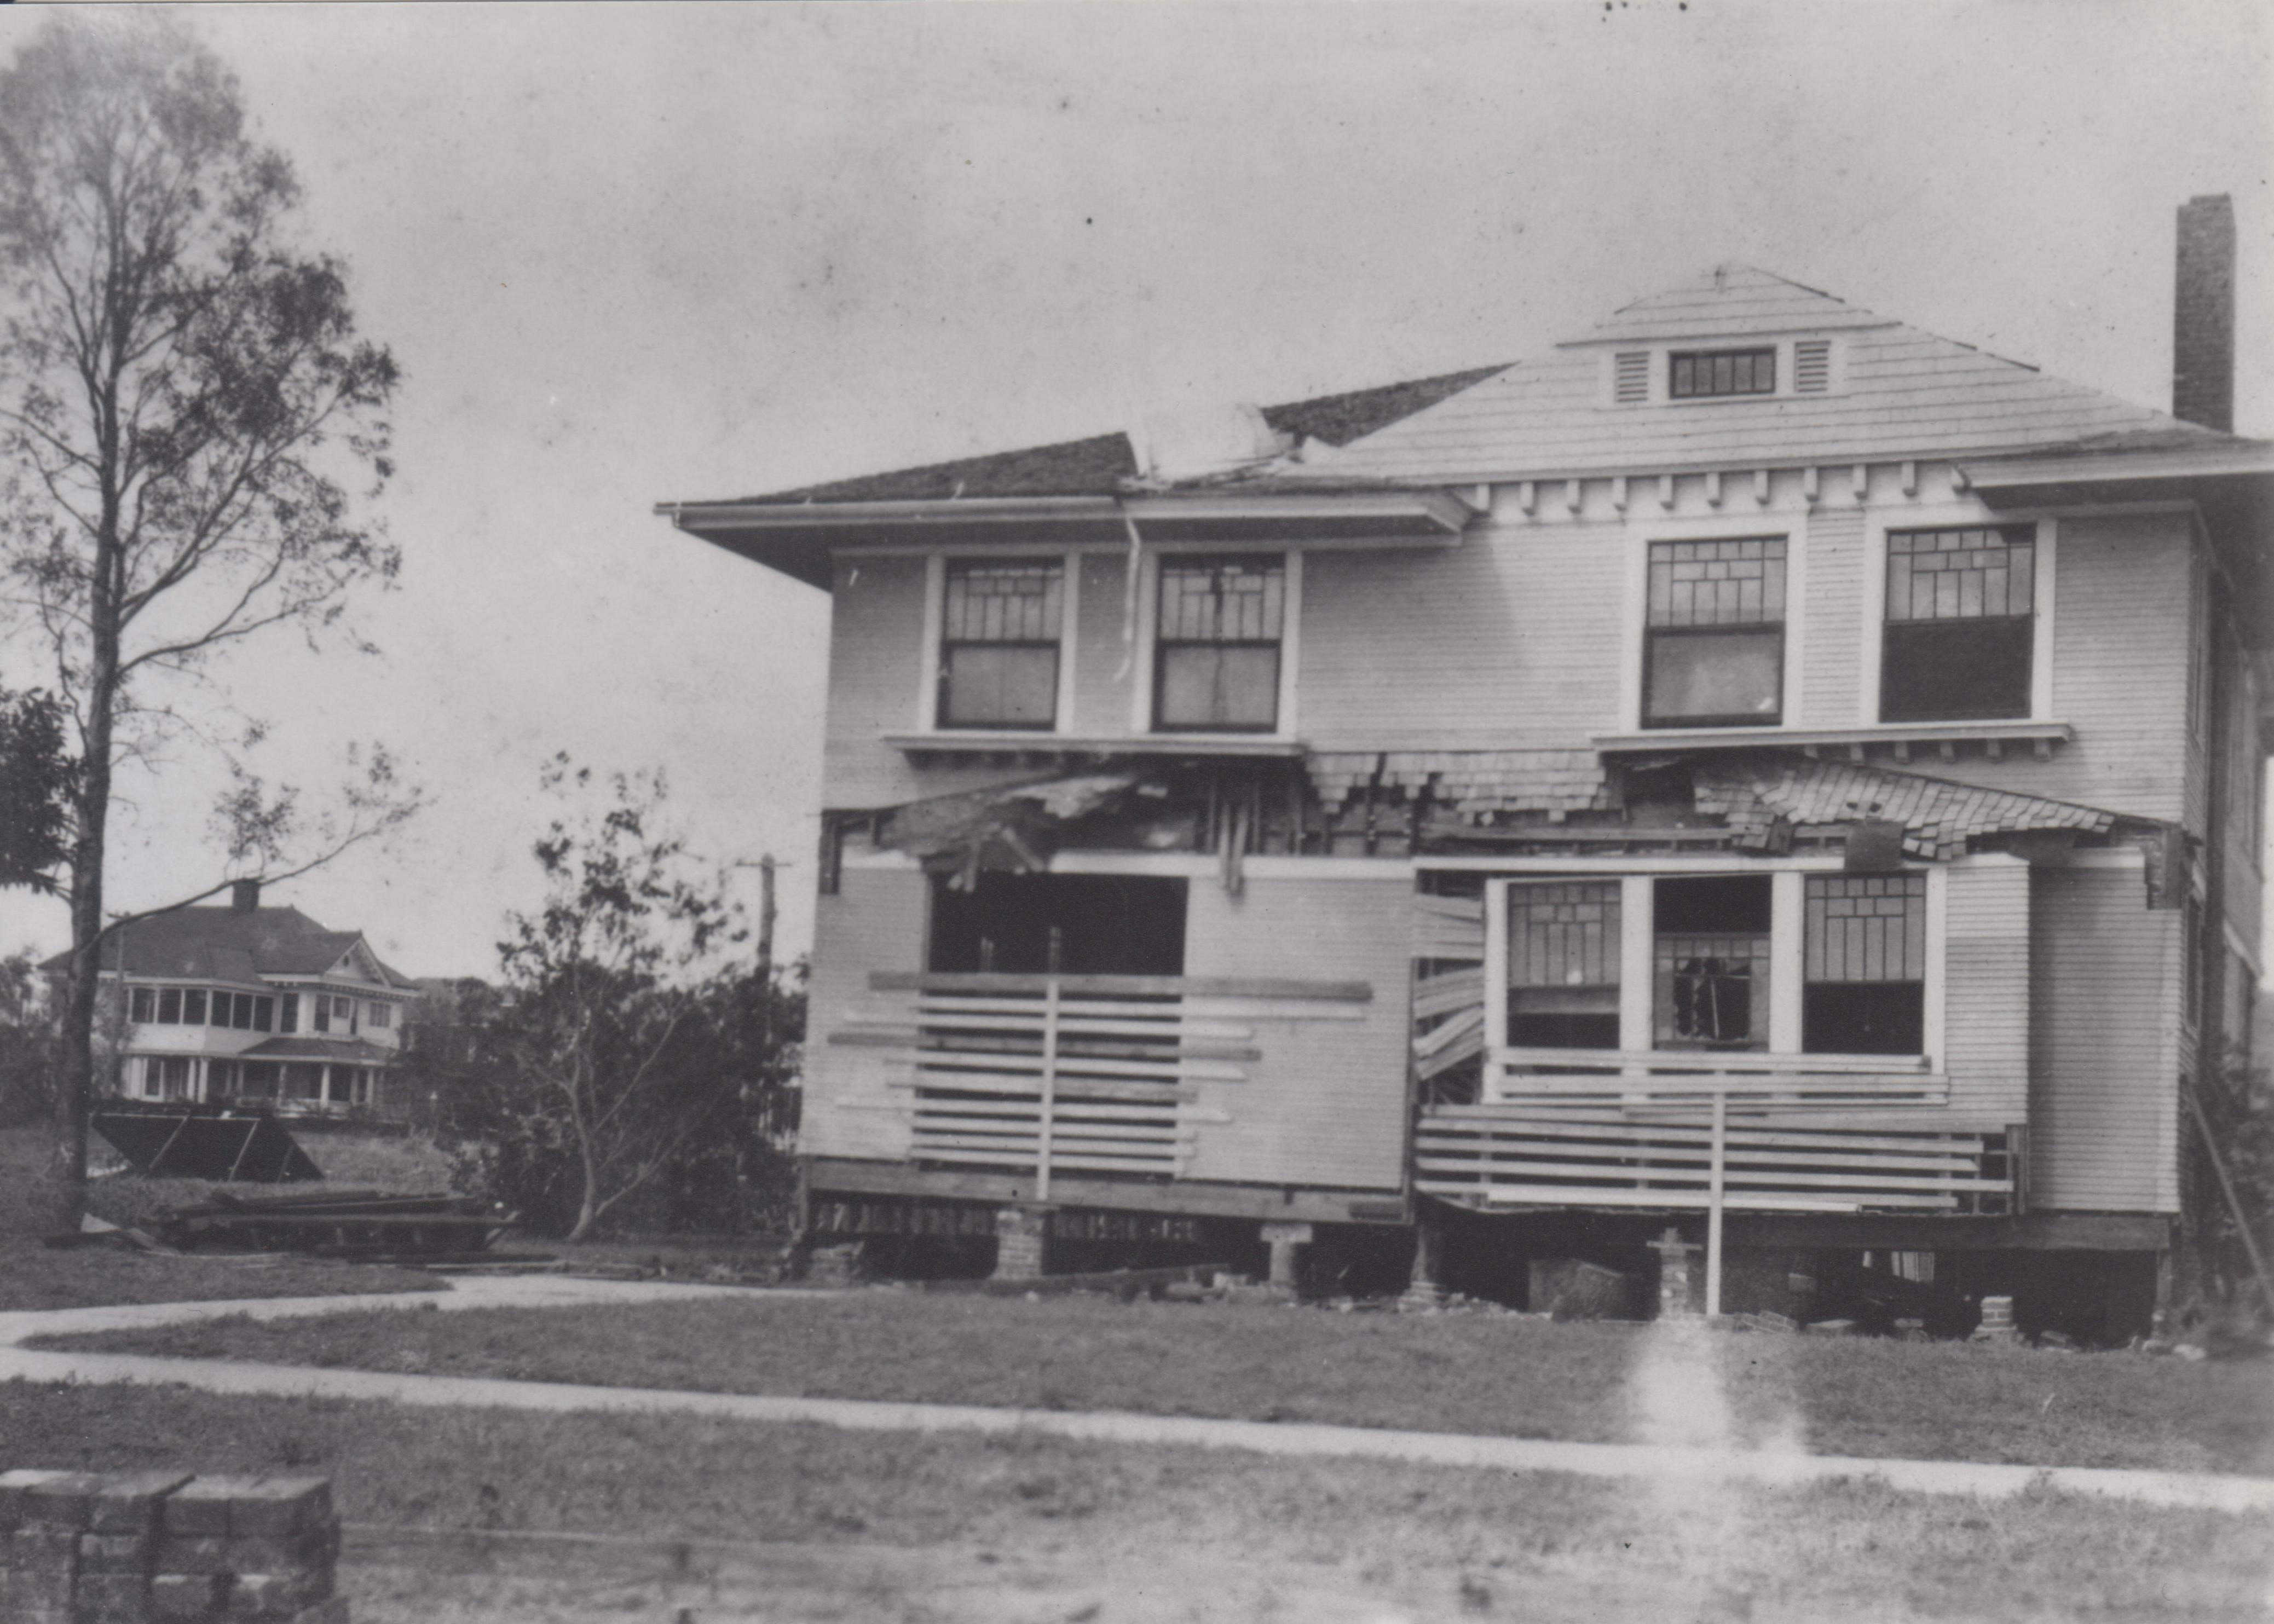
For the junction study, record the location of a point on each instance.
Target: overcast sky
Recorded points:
(636, 253)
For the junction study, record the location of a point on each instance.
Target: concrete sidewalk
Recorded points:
(2198, 1491)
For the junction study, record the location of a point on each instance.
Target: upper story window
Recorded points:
(1961, 624)
(1714, 374)
(1216, 665)
(999, 635)
(1713, 650)
(380, 1015)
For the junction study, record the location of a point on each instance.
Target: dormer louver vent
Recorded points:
(1811, 366)
(1630, 385)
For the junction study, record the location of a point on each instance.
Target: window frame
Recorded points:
(1634, 678)
(1675, 357)
(1157, 674)
(1143, 678)
(1942, 516)
(931, 676)
(946, 644)
(2028, 620)
(1787, 955)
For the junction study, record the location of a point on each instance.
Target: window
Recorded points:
(170, 1006)
(379, 1016)
(173, 1079)
(1071, 924)
(1864, 964)
(343, 1014)
(288, 1016)
(1563, 965)
(193, 1007)
(319, 1012)
(1713, 655)
(263, 1010)
(1712, 957)
(998, 656)
(1705, 374)
(141, 1004)
(1959, 624)
(1216, 668)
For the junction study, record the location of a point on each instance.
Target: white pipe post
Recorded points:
(1714, 1203)
(1050, 1089)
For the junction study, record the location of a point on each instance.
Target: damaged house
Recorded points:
(1759, 770)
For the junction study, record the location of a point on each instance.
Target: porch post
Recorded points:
(1714, 1200)
(1049, 1089)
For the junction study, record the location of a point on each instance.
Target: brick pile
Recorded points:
(168, 1548)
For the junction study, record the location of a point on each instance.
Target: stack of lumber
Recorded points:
(366, 1224)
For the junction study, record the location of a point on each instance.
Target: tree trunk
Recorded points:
(588, 1209)
(75, 1091)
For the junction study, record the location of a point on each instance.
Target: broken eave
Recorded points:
(798, 539)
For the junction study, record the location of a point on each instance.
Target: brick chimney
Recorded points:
(2203, 315)
(244, 896)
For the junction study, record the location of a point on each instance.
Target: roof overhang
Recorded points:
(2231, 483)
(797, 539)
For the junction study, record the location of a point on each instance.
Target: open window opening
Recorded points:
(1713, 655)
(1563, 965)
(1712, 958)
(1961, 624)
(1864, 967)
(1071, 924)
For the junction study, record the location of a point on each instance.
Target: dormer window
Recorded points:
(1713, 375)
(998, 653)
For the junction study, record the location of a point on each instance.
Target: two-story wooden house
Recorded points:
(253, 1004)
(1760, 766)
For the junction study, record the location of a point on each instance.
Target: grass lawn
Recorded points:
(1430, 1543)
(1519, 1377)
(33, 1276)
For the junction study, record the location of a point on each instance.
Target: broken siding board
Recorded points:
(1832, 619)
(875, 922)
(1327, 1103)
(2104, 1013)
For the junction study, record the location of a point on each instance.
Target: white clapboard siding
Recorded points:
(1326, 1105)
(1986, 989)
(875, 922)
(2104, 1104)
(1832, 615)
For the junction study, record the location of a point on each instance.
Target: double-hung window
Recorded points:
(1215, 665)
(1713, 655)
(999, 635)
(1961, 624)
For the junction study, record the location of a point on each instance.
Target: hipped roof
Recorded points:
(223, 944)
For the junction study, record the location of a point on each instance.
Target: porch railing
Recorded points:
(1095, 1074)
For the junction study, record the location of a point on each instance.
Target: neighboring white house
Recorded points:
(251, 1002)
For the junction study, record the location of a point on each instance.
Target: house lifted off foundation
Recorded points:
(1759, 769)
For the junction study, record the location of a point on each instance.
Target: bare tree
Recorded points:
(185, 395)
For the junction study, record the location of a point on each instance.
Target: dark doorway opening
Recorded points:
(1073, 924)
